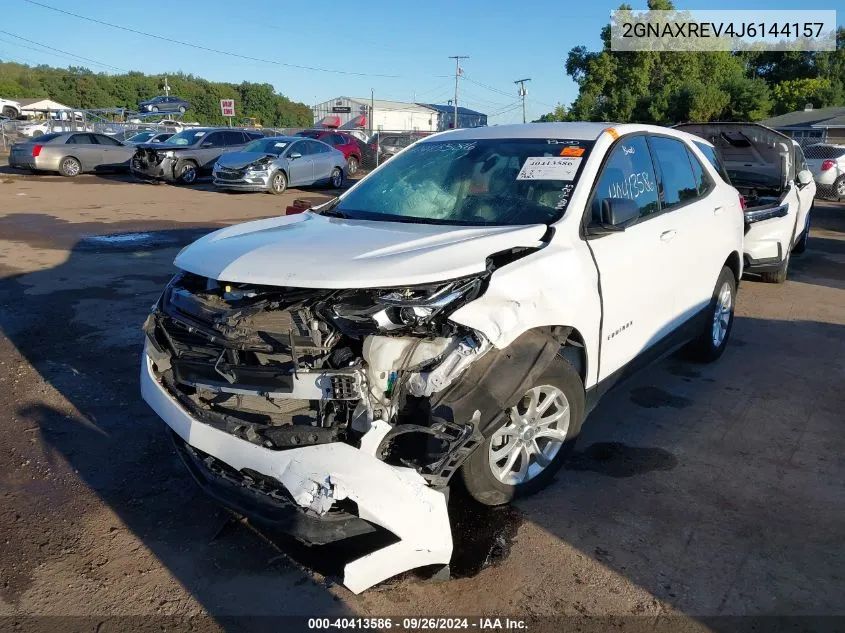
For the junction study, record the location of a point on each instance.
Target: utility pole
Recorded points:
(458, 73)
(522, 93)
(166, 88)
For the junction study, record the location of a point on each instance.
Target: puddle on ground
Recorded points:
(653, 398)
(620, 460)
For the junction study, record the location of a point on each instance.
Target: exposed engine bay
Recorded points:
(288, 367)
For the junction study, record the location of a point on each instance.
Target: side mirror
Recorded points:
(619, 213)
(294, 156)
(805, 177)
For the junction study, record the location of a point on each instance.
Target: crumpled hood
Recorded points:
(308, 250)
(238, 160)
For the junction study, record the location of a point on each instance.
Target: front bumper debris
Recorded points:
(152, 164)
(328, 485)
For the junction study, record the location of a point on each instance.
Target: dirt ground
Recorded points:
(695, 491)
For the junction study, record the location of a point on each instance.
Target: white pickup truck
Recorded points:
(10, 109)
(456, 313)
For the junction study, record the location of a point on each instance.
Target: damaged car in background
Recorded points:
(272, 164)
(454, 315)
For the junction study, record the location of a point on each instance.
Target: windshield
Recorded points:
(479, 182)
(267, 146)
(186, 137)
(140, 138)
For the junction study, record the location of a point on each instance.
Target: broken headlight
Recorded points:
(406, 308)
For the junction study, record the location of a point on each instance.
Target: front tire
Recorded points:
(278, 183)
(187, 171)
(711, 343)
(181, 109)
(351, 165)
(10, 112)
(70, 167)
(839, 189)
(801, 244)
(523, 454)
(154, 109)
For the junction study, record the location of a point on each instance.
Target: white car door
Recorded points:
(637, 276)
(706, 224)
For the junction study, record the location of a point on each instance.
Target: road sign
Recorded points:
(227, 107)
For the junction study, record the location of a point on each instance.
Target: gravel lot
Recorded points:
(694, 491)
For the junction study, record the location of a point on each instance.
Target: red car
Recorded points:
(342, 142)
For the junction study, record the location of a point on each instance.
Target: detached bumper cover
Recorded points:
(396, 499)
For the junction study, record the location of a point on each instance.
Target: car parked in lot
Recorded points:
(343, 142)
(387, 144)
(272, 164)
(827, 162)
(164, 104)
(187, 155)
(456, 313)
(148, 137)
(10, 109)
(71, 153)
(770, 171)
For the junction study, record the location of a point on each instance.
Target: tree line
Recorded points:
(664, 87)
(79, 87)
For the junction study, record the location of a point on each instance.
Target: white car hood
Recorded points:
(313, 251)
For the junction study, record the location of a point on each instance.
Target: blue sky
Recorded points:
(412, 40)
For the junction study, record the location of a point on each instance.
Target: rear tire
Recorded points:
(557, 438)
(711, 343)
(778, 276)
(70, 167)
(336, 178)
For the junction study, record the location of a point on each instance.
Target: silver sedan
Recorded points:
(71, 153)
(273, 164)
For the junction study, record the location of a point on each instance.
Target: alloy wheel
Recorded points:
(722, 315)
(337, 178)
(536, 430)
(70, 167)
(278, 183)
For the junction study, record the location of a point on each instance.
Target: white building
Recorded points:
(354, 112)
(40, 106)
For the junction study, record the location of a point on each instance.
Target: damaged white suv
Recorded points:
(456, 313)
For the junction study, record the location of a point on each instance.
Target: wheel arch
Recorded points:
(734, 262)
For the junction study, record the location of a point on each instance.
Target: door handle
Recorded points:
(668, 236)
(718, 210)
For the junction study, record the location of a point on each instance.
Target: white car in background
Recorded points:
(10, 109)
(827, 162)
(456, 313)
(769, 170)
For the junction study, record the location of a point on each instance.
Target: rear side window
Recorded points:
(702, 182)
(102, 139)
(710, 154)
(628, 173)
(81, 139)
(677, 183)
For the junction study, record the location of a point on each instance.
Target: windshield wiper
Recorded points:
(330, 211)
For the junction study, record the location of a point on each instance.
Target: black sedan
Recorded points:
(164, 104)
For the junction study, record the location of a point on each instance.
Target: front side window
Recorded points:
(213, 140)
(299, 148)
(232, 138)
(81, 139)
(629, 174)
(484, 182)
(677, 182)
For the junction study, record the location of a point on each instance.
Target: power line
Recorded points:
(205, 48)
(57, 50)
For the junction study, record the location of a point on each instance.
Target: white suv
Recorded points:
(457, 312)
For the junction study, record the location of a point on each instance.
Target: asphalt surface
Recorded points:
(700, 493)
